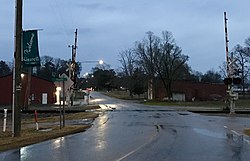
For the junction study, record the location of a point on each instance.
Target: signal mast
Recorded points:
(232, 73)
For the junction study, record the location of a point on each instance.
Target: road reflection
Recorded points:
(107, 106)
(11, 155)
(209, 133)
(58, 142)
(101, 132)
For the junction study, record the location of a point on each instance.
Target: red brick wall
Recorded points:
(199, 91)
(6, 90)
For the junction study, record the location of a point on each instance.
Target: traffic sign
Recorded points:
(59, 79)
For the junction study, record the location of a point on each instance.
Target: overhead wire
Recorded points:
(64, 19)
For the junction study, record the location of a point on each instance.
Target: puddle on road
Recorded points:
(82, 121)
(45, 130)
(209, 133)
(183, 114)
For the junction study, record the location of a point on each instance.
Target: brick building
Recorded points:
(41, 91)
(189, 90)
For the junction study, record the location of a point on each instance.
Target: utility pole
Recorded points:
(17, 57)
(74, 77)
(72, 68)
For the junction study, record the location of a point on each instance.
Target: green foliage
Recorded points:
(103, 78)
(53, 67)
(211, 76)
(139, 83)
(4, 68)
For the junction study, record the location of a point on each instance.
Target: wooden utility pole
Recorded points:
(74, 47)
(72, 74)
(17, 56)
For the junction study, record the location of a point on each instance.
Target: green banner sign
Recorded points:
(59, 79)
(30, 49)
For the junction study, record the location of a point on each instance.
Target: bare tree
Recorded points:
(242, 62)
(128, 61)
(171, 62)
(161, 57)
(223, 70)
(247, 42)
(147, 52)
(131, 72)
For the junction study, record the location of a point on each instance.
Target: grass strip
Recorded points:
(247, 131)
(31, 136)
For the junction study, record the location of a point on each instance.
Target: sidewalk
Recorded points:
(212, 110)
(79, 105)
(46, 111)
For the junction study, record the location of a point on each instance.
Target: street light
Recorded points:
(101, 62)
(93, 61)
(86, 74)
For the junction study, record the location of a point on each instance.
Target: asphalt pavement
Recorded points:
(132, 132)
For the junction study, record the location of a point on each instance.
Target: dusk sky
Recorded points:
(106, 27)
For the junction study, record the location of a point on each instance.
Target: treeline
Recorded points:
(153, 57)
(159, 57)
(50, 67)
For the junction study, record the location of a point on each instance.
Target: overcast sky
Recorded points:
(105, 27)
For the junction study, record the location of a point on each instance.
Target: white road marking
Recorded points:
(153, 136)
(239, 135)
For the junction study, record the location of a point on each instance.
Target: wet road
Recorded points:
(133, 132)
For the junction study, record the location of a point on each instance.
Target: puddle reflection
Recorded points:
(209, 133)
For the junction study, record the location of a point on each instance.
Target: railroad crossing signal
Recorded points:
(232, 81)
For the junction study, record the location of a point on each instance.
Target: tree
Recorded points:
(139, 83)
(211, 76)
(129, 66)
(48, 68)
(54, 67)
(247, 43)
(4, 68)
(223, 70)
(146, 53)
(246, 51)
(195, 76)
(161, 57)
(61, 66)
(103, 79)
(242, 60)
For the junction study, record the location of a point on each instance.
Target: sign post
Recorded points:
(63, 79)
(4, 120)
(63, 103)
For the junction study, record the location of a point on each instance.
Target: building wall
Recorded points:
(38, 86)
(6, 90)
(193, 90)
